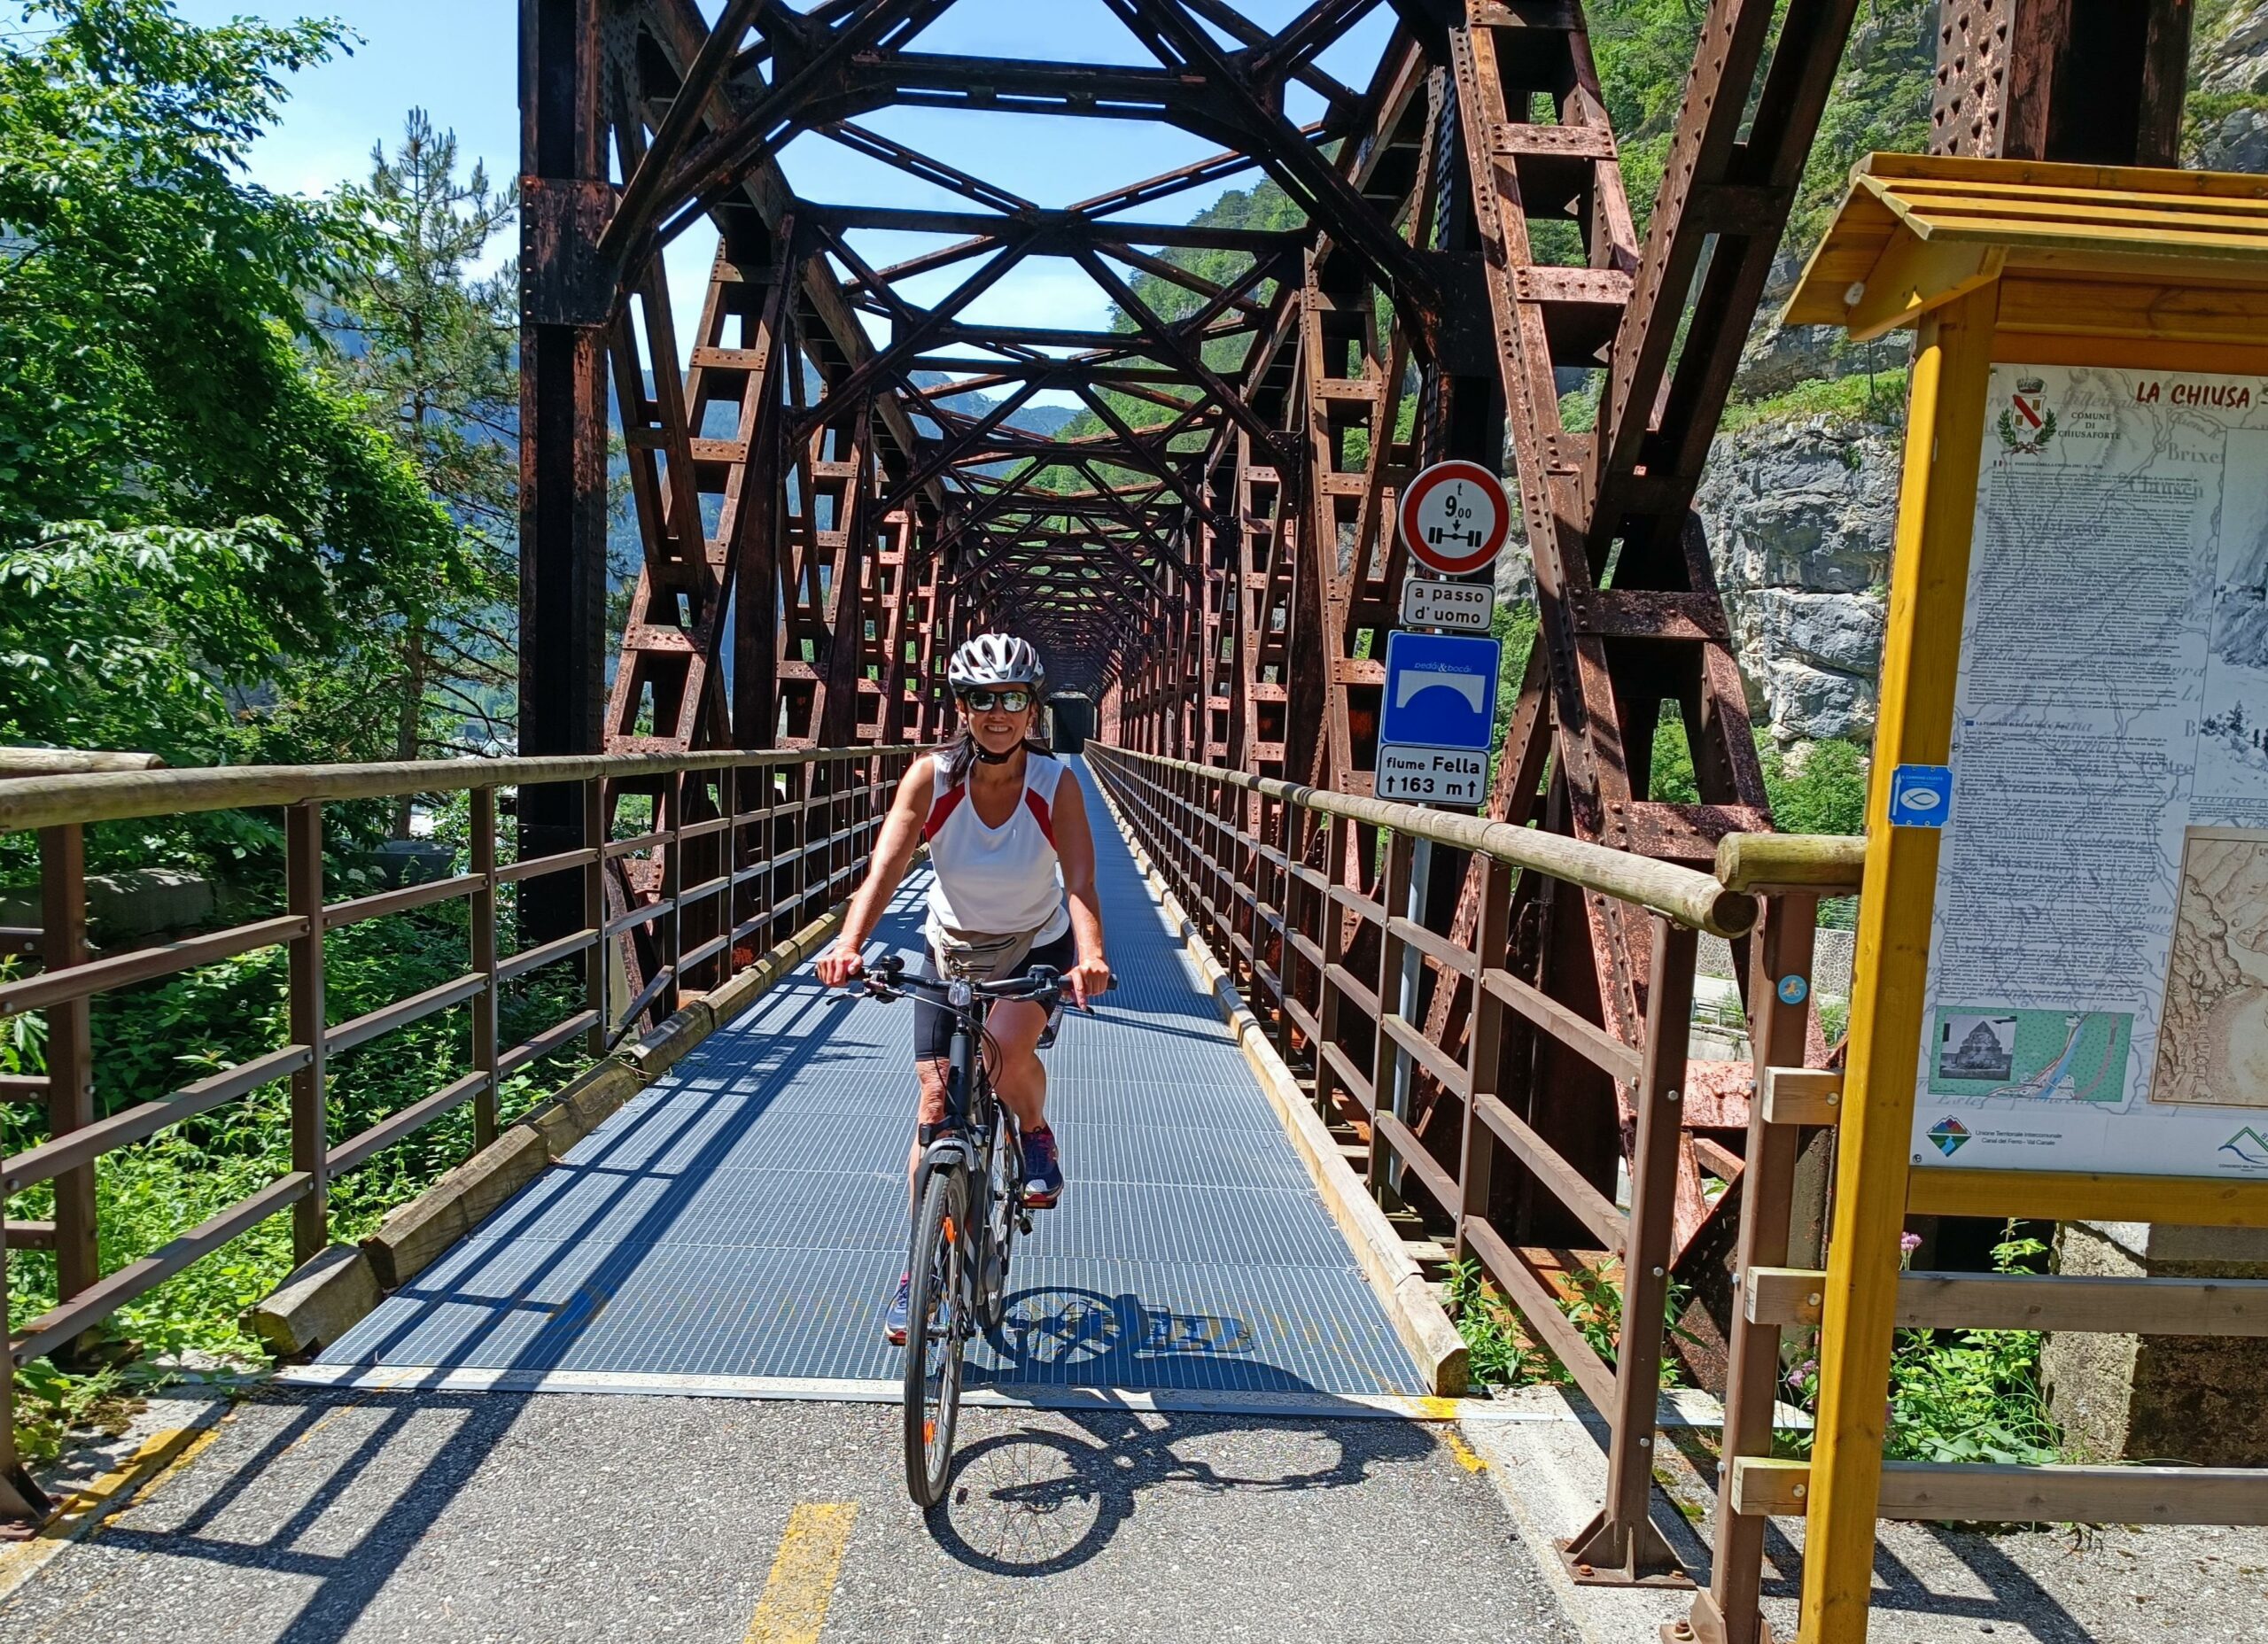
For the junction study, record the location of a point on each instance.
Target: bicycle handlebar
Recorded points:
(1041, 984)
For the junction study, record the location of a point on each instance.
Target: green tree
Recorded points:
(428, 348)
(160, 433)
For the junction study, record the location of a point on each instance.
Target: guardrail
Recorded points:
(1323, 961)
(767, 834)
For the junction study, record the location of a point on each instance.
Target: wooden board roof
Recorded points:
(1917, 230)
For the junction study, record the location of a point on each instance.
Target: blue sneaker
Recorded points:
(1042, 1169)
(900, 1309)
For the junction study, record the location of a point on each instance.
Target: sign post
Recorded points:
(1437, 723)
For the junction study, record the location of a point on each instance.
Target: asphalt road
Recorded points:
(366, 1517)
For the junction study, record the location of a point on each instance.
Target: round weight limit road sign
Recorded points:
(1454, 516)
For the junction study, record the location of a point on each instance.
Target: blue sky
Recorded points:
(459, 60)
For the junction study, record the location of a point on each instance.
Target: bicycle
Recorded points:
(959, 1262)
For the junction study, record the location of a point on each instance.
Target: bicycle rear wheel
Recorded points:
(936, 1330)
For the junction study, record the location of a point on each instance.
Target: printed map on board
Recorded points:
(2213, 1038)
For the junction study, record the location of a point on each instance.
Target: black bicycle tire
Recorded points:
(928, 1451)
(994, 1306)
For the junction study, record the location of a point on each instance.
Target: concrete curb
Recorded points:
(327, 1295)
(1410, 1302)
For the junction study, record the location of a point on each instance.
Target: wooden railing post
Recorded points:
(601, 962)
(310, 1091)
(1620, 1546)
(485, 1003)
(1782, 947)
(20, 1497)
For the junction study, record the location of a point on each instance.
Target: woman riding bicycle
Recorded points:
(1013, 888)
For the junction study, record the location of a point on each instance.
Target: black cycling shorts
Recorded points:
(933, 1024)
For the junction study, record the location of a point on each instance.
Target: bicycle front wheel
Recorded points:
(937, 1329)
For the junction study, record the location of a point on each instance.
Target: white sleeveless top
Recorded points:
(996, 879)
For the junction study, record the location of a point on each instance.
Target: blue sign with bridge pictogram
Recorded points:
(1440, 690)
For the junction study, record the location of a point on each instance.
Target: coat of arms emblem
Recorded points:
(2027, 422)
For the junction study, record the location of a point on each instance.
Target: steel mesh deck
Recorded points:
(745, 1215)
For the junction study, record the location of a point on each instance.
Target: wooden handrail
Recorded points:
(1690, 898)
(1829, 865)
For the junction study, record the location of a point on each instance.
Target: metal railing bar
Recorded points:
(696, 830)
(363, 1144)
(692, 957)
(1561, 1180)
(1417, 1160)
(98, 1301)
(535, 959)
(1438, 948)
(337, 915)
(1429, 1056)
(644, 914)
(1355, 902)
(1357, 1082)
(705, 889)
(81, 981)
(1353, 986)
(557, 862)
(1539, 1309)
(363, 1028)
(543, 1044)
(83, 1145)
(617, 848)
(1601, 1048)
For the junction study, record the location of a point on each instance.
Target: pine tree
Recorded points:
(431, 346)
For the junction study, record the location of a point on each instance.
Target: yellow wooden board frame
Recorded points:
(1993, 261)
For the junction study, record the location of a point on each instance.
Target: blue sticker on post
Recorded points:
(1794, 989)
(1920, 795)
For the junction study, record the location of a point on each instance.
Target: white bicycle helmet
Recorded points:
(995, 659)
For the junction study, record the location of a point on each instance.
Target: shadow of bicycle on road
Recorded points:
(1038, 1491)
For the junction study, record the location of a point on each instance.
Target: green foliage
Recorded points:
(1976, 1397)
(429, 355)
(1822, 791)
(172, 608)
(153, 380)
(1498, 1351)
(1962, 1395)
(1871, 399)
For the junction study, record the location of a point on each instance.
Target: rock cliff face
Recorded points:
(1799, 515)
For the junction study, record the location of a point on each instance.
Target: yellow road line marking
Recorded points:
(81, 1513)
(1462, 1451)
(801, 1584)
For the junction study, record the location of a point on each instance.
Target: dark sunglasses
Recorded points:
(983, 702)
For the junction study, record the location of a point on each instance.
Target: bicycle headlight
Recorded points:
(961, 995)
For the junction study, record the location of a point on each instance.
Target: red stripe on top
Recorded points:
(943, 808)
(1039, 809)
